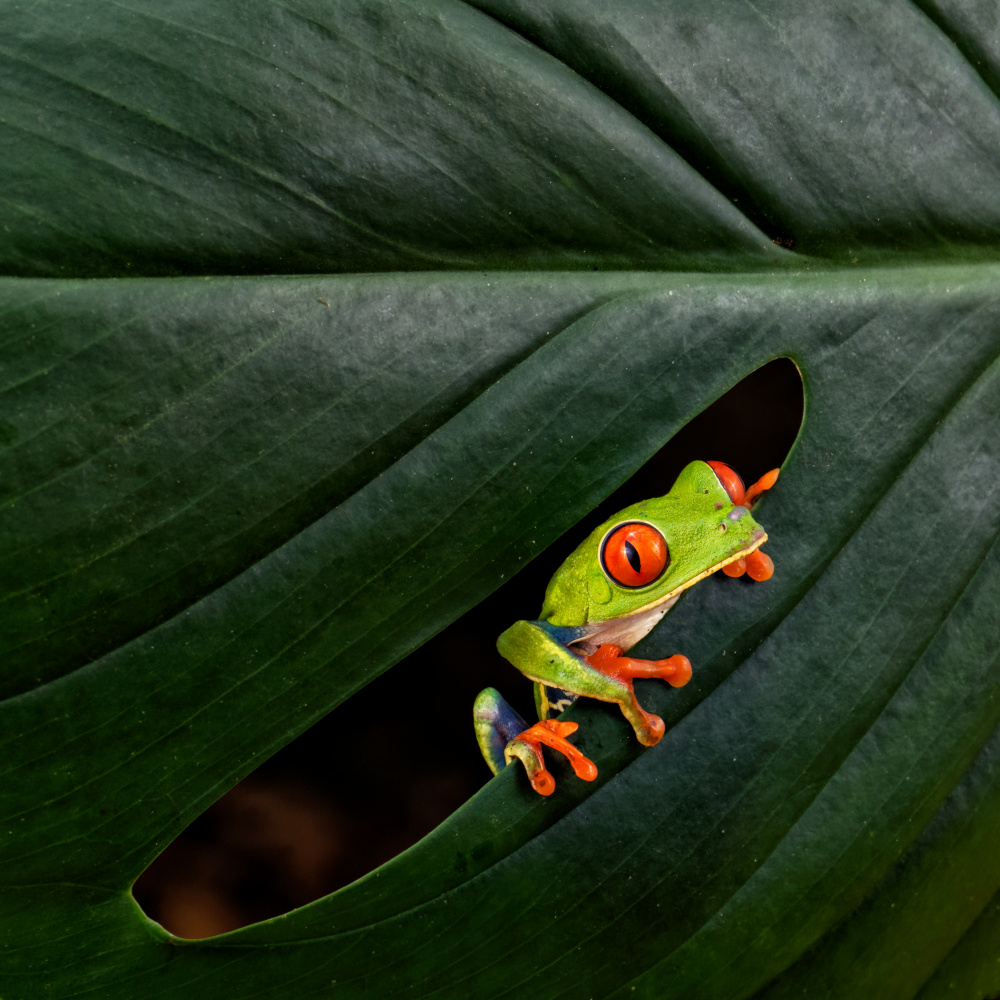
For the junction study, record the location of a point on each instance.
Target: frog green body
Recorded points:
(607, 595)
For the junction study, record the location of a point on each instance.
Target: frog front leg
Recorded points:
(543, 653)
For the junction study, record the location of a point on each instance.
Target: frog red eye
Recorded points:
(731, 482)
(635, 554)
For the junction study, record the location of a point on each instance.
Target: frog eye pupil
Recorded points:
(634, 554)
(633, 557)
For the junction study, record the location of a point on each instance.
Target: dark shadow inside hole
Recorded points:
(368, 781)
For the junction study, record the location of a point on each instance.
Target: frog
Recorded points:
(607, 595)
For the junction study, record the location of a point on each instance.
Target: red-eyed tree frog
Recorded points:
(618, 583)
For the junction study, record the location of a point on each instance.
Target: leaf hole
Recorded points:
(383, 769)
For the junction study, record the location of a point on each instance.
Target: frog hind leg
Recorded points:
(503, 736)
(496, 725)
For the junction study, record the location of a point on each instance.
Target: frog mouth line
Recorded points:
(756, 541)
(627, 630)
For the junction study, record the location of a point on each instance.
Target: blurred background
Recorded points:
(356, 789)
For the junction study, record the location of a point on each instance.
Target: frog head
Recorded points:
(636, 564)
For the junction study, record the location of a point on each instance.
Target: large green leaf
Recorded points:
(228, 502)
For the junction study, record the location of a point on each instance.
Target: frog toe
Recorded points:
(680, 671)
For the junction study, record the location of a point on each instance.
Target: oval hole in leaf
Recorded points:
(386, 767)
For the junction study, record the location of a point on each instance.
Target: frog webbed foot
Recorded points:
(623, 670)
(503, 735)
(527, 748)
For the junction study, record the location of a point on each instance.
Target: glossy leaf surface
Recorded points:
(228, 502)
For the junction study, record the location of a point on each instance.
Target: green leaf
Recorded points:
(228, 502)
(328, 137)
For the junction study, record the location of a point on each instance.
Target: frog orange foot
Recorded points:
(527, 747)
(756, 564)
(623, 670)
(504, 736)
